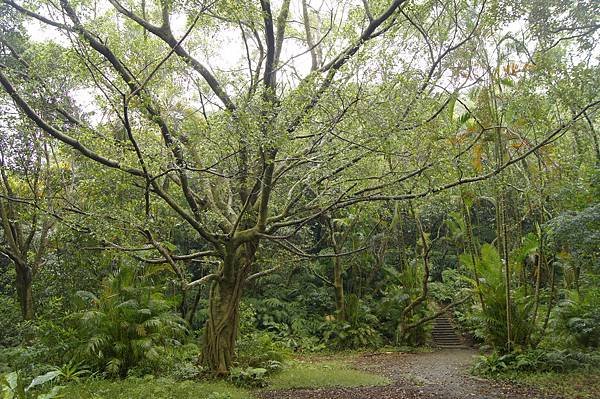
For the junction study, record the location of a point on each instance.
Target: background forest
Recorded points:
(199, 192)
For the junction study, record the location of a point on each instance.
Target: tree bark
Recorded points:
(221, 329)
(222, 326)
(338, 284)
(24, 279)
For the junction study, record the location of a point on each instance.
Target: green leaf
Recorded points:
(507, 82)
(452, 104)
(12, 380)
(464, 118)
(42, 379)
(170, 246)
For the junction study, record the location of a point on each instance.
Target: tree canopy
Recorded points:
(225, 141)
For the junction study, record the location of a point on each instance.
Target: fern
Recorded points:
(127, 323)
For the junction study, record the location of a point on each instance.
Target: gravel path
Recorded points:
(441, 374)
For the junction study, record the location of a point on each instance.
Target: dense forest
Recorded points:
(299, 199)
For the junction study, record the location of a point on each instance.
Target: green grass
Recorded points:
(323, 373)
(571, 385)
(159, 388)
(314, 372)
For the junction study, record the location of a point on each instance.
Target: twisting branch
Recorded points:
(262, 273)
(297, 251)
(205, 279)
(365, 36)
(164, 33)
(59, 135)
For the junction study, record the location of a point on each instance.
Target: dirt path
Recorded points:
(441, 374)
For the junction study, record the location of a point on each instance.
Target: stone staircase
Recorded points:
(444, 335)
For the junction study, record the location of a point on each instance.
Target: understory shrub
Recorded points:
(493, 289)
(402, 288)
(12, 330)
(249, 376)
(30, 360)
(128, 324)
(578, 317)
(536, 360)
(287, 320)
(357, 331)
(259, 350)
(181, 362)
(13, 386)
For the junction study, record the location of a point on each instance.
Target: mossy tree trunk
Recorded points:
(221, 329)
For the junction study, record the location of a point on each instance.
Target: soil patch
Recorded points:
(443, 374)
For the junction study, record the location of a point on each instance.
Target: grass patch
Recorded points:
(156, 388)
(322, 374)
(572, 385)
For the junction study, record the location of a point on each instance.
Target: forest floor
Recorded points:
(442, 374)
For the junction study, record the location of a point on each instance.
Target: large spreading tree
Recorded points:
(240, 122)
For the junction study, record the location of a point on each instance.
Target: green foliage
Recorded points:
(71, 372)
(129, 323)
(12, 330)
(29, 359)
(400, 290)
(250, 376)
(576, 384)
(452, 285)
(493, 317)
(13, 386)
(538, 360)
(259, 350)
(181, 363)
(288, 315)
(577, 234)
(357, 331)
(156, 388)
(578, 316)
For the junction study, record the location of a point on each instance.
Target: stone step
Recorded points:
(444, 335)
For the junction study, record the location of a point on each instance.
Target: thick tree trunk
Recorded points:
(222, 325)
(220, 333)
(24, 290)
